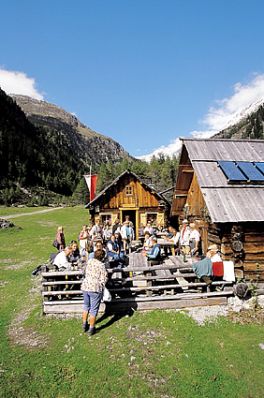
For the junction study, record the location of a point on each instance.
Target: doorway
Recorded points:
(132, 214)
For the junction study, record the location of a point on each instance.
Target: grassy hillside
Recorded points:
(154, 354)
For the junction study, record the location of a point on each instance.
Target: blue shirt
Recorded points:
(154, 253)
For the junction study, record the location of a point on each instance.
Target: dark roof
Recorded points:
(226, 202)
(128, 172)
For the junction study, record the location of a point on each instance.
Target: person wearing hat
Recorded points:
(217, 262)
(210, 267)
(154, 254)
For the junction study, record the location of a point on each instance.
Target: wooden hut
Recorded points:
(220, 185)
(129, 195)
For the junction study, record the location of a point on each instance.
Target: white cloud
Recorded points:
(168, 150)
(245, 99)
(13, 82)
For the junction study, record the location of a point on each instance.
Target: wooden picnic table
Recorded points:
(167, 244)
(161, 234)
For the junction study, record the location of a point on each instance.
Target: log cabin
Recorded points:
(129, 195)
(220, 186)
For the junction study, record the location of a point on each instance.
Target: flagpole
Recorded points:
(90, 182)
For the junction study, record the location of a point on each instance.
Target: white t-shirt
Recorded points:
(61, 261)
(195, 235)
(185, 236)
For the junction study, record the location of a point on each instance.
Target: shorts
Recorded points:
(91, 302)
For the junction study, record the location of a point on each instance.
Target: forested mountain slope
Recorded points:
(250, 126)
(49, 150)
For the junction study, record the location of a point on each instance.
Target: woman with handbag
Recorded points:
(59, 241)
(92, 287)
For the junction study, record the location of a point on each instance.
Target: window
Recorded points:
(152, 217)
(129, 190)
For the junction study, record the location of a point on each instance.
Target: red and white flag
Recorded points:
(91, 184)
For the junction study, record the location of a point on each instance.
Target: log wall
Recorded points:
(249, 261)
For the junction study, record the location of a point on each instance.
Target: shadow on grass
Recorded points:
(113, 316)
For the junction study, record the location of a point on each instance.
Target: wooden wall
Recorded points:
(195, 199)
(116, 196)
(242, 243)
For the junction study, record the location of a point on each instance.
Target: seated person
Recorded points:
(62, 259)
(210, 267)
(98, 245)
(173, 237)
(113, 250)
(217, 262)
(154, 254)
(149, 228)
(147, 241)
(75, 255)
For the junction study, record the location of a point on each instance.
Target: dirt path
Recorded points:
(31, 213)
(18, 333)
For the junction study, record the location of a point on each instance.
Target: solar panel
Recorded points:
(260, 166)
(251, 171)
(231, 171)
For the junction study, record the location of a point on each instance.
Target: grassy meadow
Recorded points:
(159, 354)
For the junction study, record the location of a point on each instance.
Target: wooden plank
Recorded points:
(61, 292)
(77, 282)
(178, 296)
(169, 304)
(67, 308)
(178, 262)
(128, 279)
(61, 273)
(164, 287)
(148, 268)
(182, 281)
(76, 308)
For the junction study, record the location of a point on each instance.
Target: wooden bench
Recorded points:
(139, 286)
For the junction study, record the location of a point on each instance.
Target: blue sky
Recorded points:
(143, 72)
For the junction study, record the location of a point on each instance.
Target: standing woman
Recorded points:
(83, 239)
(92, 287)
(195, 239)
(60, 239)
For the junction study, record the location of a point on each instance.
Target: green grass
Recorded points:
(154, 354)
(5, 211)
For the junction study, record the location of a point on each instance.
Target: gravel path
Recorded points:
(31, 213)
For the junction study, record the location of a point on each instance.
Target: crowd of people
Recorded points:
(101, 246)
(115, 242)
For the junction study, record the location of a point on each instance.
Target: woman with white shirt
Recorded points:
(194, 239)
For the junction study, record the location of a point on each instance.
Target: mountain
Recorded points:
(90, 146)
(247, 122)
(44, 149)
(250, 124)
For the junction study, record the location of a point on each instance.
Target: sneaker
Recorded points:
(91, 331)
